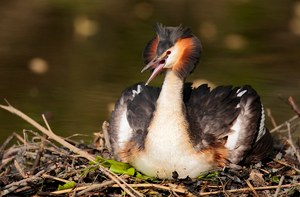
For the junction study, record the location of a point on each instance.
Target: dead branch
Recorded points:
(279, 186)
(248, 189)
(95, 186)
(284, 124)
(269, 114)
(252, 188)
(15, 185)
(39, 154)
(286, 164)
(129, 190)
(295, 108)
(290, 140)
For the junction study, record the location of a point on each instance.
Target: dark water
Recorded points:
(70, 60)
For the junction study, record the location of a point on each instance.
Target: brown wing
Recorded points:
(211, 114)
(131, 117)
(230, 115)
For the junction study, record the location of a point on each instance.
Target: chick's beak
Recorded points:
(157, 64)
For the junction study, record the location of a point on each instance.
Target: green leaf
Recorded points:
(117, 167)
(97, 160)
(144, 177)
(68, 185)
(117, 163)
(274, 179)
(130, 171)
(209, 175)
(120, 168)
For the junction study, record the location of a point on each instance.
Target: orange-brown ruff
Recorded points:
(177, 128)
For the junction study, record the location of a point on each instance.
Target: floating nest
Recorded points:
(40, 163)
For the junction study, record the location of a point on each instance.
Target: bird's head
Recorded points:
(173, 48)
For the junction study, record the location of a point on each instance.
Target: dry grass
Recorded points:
(39, 161)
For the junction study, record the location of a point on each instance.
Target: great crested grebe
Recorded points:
(184, 130)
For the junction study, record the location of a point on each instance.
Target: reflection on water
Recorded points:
(72, 60)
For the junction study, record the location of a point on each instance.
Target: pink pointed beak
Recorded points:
(157, 64)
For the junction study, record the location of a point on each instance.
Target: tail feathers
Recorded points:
(260, 149)
(248, 131)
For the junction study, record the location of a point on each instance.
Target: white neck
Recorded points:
(171, 93)
(169, 117)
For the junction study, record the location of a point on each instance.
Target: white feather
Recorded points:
(262, 129)
(234, 135)
(240, 93)
(125, 131)
(137, 91)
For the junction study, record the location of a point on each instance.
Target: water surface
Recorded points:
(71, 60)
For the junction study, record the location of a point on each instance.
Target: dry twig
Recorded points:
(129, 190)
(279, 186)
(95, 186)
(269, 114)
(39, 154)
(248, 189)
(284, 124)
(286, 164)
(252, 188)
(15, 185)
(19, 169)
(290, 140)
(295, 108)
(54, 178)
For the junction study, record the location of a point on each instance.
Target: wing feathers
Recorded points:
(232, 116)
(211, 113)
(225, 115)
(131, 117)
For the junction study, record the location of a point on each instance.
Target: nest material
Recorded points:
(47, 165)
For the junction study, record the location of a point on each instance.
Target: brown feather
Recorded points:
(129, 152)
(217, 154)
(188, 57)
(185, 45)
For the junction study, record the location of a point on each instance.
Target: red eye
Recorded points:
(168, 52)
(162, 61)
